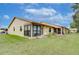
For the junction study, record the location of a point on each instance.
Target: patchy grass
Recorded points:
(66, 44)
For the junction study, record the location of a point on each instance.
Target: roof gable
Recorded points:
(11, 22)
(19, 19)
(46, 24)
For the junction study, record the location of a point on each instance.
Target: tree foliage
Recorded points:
(72, 25)
(75, 6)
(75, 16)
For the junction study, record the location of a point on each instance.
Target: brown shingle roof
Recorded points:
(41, 23)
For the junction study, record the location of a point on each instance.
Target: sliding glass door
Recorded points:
(37, 31)
(27, 30)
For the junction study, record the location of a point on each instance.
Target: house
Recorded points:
(73, 30)
(3, 31)
(28, 28)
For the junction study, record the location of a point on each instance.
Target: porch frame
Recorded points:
(32, 30)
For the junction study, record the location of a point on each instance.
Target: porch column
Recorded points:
(64, 31)
(61, 31)
(41, 30)
(57, 30)
(31, 30)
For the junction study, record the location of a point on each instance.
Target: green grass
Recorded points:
(54, 45)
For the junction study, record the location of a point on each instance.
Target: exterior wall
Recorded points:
(73, 30)
(17, 23)
(45, 30)
(66, 31)
(52, 30)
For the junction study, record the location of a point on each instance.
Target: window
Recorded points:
(13, 28)
(36, 30)
(20, 28)
(49, 29)
(55, 30)
(59, 30)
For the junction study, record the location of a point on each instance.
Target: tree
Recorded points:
(72, 25)
(75, 6)
(76, 16)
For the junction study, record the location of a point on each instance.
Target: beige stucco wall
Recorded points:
(73, 30)
(52, 30)
(46, 30)
(17, 23)
(65, 31)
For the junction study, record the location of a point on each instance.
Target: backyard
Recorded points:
(52, 44)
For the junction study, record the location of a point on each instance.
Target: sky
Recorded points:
(51, 13)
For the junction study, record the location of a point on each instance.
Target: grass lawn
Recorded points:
(55, 45)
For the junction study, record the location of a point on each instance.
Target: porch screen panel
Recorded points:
(36, 30)
(27, 30)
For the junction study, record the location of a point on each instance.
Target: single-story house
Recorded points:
(25, 27)
(73, 30)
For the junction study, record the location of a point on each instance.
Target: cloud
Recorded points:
(68, 17)
(28, 5)
(58, 16)
(32, 5)
(50, 15)
(63, 20)
(41, 12)
(3, 26)
(6, 17)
